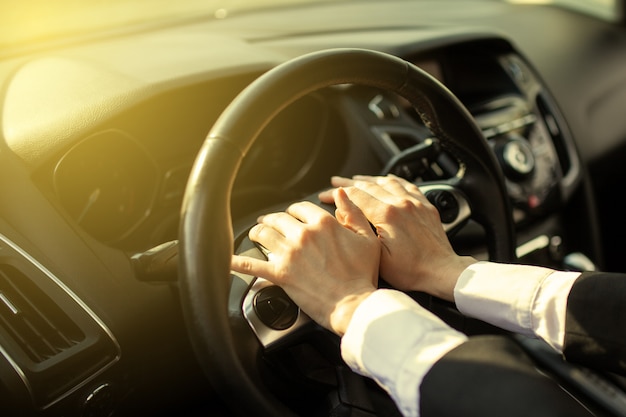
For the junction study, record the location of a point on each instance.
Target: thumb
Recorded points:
(349, 215)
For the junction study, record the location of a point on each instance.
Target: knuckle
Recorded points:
(255, 231)
(270, 218)
(325, 221)
(298, 205)
(405, 204)
(245, 265)
(429, 208)
(280, 275)
(386, 180)
(299, 234)
(413, 189)
(364, 185)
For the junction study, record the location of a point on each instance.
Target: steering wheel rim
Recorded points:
(225, 349)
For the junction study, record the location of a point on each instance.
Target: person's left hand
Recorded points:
(327, 266)
(416, 255)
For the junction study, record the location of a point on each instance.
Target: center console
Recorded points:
(522, 125)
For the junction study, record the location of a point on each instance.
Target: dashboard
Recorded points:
(122, 185)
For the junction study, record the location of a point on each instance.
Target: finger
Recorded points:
(336, 181)
(307, 212)
(401, 188)
(375, 190)
(408, 185)
(389, 179)
(326, 196)
(341, 217)
(283, 223)
(267, 236)
(391, 183)
(350, 215)
(369, 178)
(369, 205)
(388, 188)
(253, 266)
(375, 179)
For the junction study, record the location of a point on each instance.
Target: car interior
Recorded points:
(135, 157)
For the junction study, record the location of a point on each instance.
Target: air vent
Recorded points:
(52, 340)
(34, 322)
(555, 133)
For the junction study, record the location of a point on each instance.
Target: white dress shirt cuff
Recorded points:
(524, 299)
(395, 341)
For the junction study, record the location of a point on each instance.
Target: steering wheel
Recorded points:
(226, 348)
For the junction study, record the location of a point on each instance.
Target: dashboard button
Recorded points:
(517, 159)
(446, 204)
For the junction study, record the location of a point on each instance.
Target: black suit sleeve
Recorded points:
(492, 376)
(595, 326)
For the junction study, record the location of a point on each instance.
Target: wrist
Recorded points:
(341, 316)
(448, 275)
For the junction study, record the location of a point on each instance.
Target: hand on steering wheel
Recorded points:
(324, 267)
(416, 254)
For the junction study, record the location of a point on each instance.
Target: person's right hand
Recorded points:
(416, 253)
(328, 267)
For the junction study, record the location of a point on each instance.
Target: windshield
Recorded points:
(34, 21)
(605, 9)
(29, 21)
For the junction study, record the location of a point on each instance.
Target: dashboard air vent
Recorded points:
(556, 134)
(51, 339)
(35, 322)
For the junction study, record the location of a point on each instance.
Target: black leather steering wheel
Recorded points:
(225, 346)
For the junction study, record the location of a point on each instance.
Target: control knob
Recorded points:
(517, 159)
